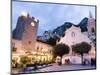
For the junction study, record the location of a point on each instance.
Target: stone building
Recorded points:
(73, 35)
(25, 33)
(30, 34)
(92, 28)
(24, 40)
(43, 47)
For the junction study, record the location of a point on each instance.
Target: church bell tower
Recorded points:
(91, 24)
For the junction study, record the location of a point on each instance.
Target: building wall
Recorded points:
(39, 46)
(73, 59)
(92, 28)
(73, 36)
(17, 44)
(43, 47)
(30, 34)
(91, 23)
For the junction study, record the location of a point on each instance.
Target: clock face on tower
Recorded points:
(32, 24)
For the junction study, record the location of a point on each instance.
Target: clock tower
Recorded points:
(30, 34)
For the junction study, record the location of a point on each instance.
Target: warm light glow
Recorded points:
(32, 24)
(23, 13)
(44, 50)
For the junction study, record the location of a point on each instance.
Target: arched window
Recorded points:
(73, 34)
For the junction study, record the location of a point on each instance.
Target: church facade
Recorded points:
(73, 36)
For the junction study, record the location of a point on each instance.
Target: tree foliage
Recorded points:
(51, 41)
(81, 48)
(61, 49)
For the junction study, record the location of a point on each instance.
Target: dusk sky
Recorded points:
(51, 15)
